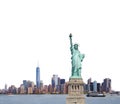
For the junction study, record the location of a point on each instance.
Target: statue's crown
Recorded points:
(75, 44)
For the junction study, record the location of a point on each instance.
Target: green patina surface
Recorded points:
(76, 58)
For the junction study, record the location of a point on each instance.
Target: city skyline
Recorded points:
(39, 30)
(55, 80)
(57, 85)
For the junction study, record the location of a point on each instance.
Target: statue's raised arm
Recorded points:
(71, 44)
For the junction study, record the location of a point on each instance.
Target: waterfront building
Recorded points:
(99, 87)
(54, 82)
(95, 86)
(26, 87)
(25, 84)
(85, 88)
(91, 86)
(30, 87)
(62, 87)
(22, 89)
(88, 84)
(59, 80)
(45, 89)
(31, 84)
(41, 84)
(36, 90)
(55, 78)
(62, 81)
(37, 77)
(5, 87)
(12, 89)
(58, 88)
(50, 88)
(66, 88)
(106, 85)
(30, 90)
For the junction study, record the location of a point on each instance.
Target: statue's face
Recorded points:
(76, 46)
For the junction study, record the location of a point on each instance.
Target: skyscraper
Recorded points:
(89, 84)
(95, 86)
(38, 77)
(54, 80)
(62, 81)
(5, 87)
(106, 85)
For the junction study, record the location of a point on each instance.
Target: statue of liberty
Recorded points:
(76, 58)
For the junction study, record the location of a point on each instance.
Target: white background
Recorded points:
(32, 31)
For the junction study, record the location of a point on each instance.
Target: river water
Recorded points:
(54, 99)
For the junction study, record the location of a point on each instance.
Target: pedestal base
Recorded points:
(75, 91)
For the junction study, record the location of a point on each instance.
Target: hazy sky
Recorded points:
(32, 31)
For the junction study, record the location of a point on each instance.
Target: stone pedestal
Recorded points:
(75, 91)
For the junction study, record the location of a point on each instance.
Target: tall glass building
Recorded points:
(54, 80)
(37, 77)
(95, 86)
